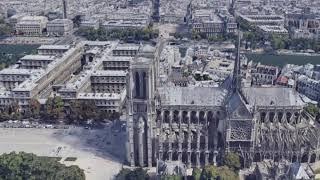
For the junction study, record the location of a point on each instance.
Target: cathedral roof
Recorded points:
(272, 96)
(201, 96)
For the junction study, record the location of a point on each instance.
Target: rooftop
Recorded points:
(118, 58)
(108, 96)
(195, 96)
(54, 47)
(127, 47)
(20, 71)
(109, 73)
(272, 96)
(38, 58)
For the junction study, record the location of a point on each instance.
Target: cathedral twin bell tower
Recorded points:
(140, 112)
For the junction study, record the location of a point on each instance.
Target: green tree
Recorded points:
(172, 177)
(34, 108)
(10, 112)
(15, 166)
(196, 174)
(280, 42)
(54, 108)
(223, 173)
(232, 160)
(227, 174)
(73, 110)
(123, 174)
(136, 174)
(5, 29)
(312, 109)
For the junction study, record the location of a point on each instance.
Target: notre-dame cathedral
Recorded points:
(198, 125)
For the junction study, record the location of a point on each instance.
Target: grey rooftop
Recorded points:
(201, 96)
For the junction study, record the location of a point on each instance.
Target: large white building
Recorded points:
(264, 19)
(89, 24)
(35, 61)
(206, 21)
(211, 24)
(31, 25)
(108, 81)
(109, 102)
(53, 49)
(59, 27)
(125, 24)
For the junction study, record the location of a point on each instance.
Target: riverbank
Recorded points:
(283, 52)
(282, 59)
(13, 40)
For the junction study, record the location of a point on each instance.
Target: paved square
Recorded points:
(91, 147)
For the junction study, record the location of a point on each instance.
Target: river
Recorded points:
(281, 60)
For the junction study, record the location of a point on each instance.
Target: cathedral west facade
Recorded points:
(198, 125)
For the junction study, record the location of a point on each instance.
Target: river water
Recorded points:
(281, 60)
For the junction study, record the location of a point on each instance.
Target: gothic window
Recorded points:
(262, 117)
(288, 116)
(271, 116)
(201, 117)
(194, 118)
(240, 130)
(144, 79)
(176, 117)
(137, 84)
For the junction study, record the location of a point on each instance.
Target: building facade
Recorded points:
(309, 87)
(108, 81)
(31, 25)
(198, 125)
(59, 27)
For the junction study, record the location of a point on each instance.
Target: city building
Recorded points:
(263, 19)
(126, 50)
(304, 24)
(108, 81)
(89, 24)
(117, 63)
(273, 30)
(264, 75)
(31, 25)
(207, 22)
(56, 72)
(173, 11)
(125, 24)
(108, 102)
(36, 61)
(59, 27)
(54, 50)
(12, 77)
(309, 87)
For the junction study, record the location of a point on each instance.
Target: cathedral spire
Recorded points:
(236, 71)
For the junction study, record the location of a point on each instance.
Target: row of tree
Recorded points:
(135, 174)
(56, 109)
(215, 38)
(229, 171)
(5, 29)
(255, 39)
(284, 42)
(23, 165)
(123, 34)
